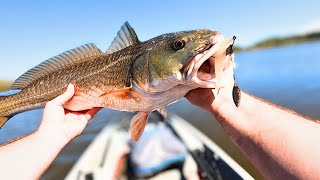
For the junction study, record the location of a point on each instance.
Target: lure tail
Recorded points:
(236, 92)
(236, 95)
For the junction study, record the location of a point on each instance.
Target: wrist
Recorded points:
(222, 108)
(232, 117)
(52, 136)
(221, 103)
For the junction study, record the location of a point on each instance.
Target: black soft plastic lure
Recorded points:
(236, 93)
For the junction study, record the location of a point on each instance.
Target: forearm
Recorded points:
(29, 157)
(270, 138)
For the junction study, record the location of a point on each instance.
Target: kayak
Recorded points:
(168, 149)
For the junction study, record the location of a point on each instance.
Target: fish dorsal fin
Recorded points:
(138, 123)
(126, 36)
(79, 54)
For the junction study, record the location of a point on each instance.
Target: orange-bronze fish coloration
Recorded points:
(130, 76)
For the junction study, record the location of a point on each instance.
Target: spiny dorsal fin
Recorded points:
(126, 36)
(79, 54)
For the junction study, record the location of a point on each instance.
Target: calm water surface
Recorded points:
(287, 76)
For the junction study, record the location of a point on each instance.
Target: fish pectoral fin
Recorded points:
(163, 112)
(138, 123)
(125, 93)
(3, 120)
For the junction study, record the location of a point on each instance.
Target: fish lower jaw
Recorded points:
(206, 68)
(202, 81)
(202, 74)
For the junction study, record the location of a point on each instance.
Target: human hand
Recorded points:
(62, 122)
(212, 99)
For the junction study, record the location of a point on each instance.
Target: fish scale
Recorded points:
(84, 75)
(130, 76)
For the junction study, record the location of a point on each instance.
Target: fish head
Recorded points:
(167, 60)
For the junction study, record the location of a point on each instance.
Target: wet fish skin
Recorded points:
(90, 78)
(131, 76)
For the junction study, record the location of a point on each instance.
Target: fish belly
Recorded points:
(88, 100)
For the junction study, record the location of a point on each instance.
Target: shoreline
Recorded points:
(279, 41)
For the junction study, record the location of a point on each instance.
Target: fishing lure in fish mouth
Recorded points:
(207, 71)
(236, 92)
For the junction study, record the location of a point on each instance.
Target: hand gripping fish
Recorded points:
(131, 76)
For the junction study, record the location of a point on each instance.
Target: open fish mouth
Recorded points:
(206, 72)
(201, 69)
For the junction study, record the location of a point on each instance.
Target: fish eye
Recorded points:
(178, 44)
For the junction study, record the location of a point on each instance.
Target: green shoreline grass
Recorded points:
(281, 41)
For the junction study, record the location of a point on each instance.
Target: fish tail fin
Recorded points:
(4, 98)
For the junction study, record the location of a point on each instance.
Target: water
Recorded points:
(287, 76)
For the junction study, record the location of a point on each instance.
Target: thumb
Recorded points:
(65, 97)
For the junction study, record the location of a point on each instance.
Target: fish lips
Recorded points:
(201, 70)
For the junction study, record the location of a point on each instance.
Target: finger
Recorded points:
(92, 112)
(65, 97)
(229, 62)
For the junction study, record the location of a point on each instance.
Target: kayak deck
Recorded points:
(103, 157)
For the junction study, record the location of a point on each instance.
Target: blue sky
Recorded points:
(33, 31)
